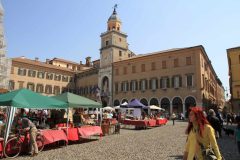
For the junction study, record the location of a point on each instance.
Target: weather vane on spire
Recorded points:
(115, 7)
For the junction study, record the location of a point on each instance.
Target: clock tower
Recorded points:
(114, 47)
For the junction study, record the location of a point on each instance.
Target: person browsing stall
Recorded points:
(28, 126)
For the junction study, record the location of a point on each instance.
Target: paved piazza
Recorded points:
(160, 143)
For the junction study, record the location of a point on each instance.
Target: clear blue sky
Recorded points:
(70, 29)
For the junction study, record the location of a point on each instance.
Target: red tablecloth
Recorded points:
(51, 136)
(136, 122)
(89, 131)
(72, 134)
(152, 122)
(1, 145)
(161, 121)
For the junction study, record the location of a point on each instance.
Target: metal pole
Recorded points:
(67, 120)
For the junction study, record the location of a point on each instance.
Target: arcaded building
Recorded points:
(173, 79)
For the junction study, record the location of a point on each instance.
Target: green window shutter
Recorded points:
(136, 85)
(161, 83)
(156, 83)
(146, 84)
(172, 82)
(140, 87)
(150, 84)
(180, 81)
(168, 82)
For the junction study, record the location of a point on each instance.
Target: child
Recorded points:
(237, 133)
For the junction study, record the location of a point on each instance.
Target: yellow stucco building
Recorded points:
(233, 55)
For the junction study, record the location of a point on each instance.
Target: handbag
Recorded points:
(208, 153)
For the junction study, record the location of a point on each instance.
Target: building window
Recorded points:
(12, 70)
(133, 69)
(190, 80)
(57, 77)
(176, 81)
(120, 53)
(203, 81)
(143, 85)
(120, 39)
(20, 84)
(107, 43)
(22, 71)
(30, 86)
(48, 89)
(238, 94)
(164, 83)
(153, 66)
(31, 73)
(56, 90)
(40, 75)
(153, 84)
(143, 67)
(176, 62)
(205, 66)
(49, 76)
(188, 60)
(65, 78)
(125, 70)
(39, 88)
(164, 64)
(124, 86)
(133, 86)
(71, 79)
(11, 85)
(116, 87)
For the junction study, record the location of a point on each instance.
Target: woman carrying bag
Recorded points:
(201, 138)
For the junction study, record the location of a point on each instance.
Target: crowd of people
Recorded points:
(203, 130)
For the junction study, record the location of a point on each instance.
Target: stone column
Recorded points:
(183, 108)
(171, 108)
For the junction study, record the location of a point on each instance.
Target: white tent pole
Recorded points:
(10, 116)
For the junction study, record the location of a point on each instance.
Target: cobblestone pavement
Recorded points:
(160, 143)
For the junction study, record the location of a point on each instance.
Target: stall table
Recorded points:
(161, 121)
(72, 134)
(87, 131)
(51, 136)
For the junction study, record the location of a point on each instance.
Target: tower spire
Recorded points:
(114, 22)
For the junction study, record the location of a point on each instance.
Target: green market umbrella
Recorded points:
(24, 98)
(76, 101)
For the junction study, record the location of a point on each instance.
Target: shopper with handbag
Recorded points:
(201, 142)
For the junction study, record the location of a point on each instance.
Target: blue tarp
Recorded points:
(135, 104)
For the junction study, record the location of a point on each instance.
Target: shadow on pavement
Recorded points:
(177, 156)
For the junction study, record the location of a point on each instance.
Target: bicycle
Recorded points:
(16, 144)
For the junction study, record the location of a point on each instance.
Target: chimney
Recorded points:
(36, 59)
(47, 61)
(80, 62)
(88, 61)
